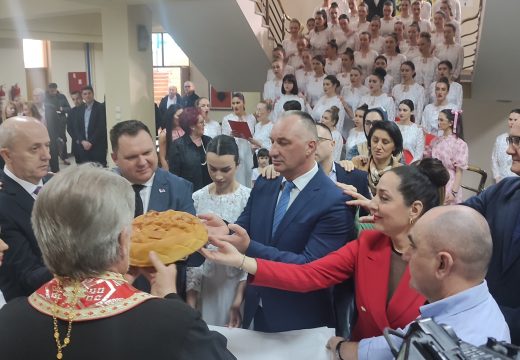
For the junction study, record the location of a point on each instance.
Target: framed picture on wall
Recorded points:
(219, 100)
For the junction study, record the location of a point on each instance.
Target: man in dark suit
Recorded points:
(295, 218)
(500, 205)
(62, 108)
(133, 151)
(24, 146)
(172, 98)
(74, 121)
(92, 130)
(189, 98)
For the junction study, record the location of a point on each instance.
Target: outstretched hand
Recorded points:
(269, 172)
(225, 254)
(162, 278)
(358, 200)
(214, 224)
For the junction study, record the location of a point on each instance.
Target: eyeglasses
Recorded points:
(320, 139)
(513, 140)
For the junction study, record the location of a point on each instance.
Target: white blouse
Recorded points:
(454, 53)
(366, 62)
(413, 140)
(383, 100)
(387, 84)
(378, 44)
(273, 90)
(345, 41)
(278, 107)
(212, 128)
(430, 117)
(344, 79)
(393, 67)
(262, 133)
(319, 41)
(387, 26)
(353, 95)
(314, 89)
(338, 144)
(425, 70)
(354, 138)
(324, 104)
(302, 77)
(500, 161)
(333, 67)
(289, 46)
(454, 94)
(415, 93)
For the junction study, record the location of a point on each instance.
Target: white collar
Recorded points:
(27, 186)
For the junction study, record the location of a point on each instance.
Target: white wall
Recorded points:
(65, 57)
(12, 70)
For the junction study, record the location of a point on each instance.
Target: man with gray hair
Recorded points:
(448, 257)
(24, 146)
(172, 98)
(82, 220)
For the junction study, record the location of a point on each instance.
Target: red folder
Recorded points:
(241, 128)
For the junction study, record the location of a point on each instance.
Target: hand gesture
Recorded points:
(214, 224)
(347, 165)
(269, 172)
(235, 318)
(162, 278)
(226, 254)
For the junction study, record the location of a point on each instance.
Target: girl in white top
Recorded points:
(290, 43)
(409, 89)
(306, 72)
(393, 58)
(404, 13)
(353, 16)
(455, 94)
(347, 61)
(328, 100)
(357, 135)
(333, 62)
(380, 62)
(263, 127)
(424, 24)
(245, 167)
(388, 21)
(278, 53)
(454, 6)
(439, 20)
(362, 24)
(377, 42)
(400, 33)
(501, 161)
(296, 60)
(330, 118)
(450, 51)
(426, 63)
(376, 97)
(289, 92)
(430, 117)
(320, 35)
(347, 37)
(314, 86)
(446, 8)
(218, 290)
(413, 136)
(273, 88)
(426, 9)
(365, 57)
(351, 95)
(211, 127)
(410, 48)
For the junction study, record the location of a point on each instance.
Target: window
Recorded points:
(34, 53)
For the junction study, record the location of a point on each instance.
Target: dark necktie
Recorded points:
(283, 202)
(37, 190)
(139, 209)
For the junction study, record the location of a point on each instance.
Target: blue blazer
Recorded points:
(356, 178)
(500, 205)
(316, 223)
(171, 192)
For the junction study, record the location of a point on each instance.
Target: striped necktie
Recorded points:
(283, 202)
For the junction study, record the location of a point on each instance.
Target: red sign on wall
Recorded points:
(77, 80)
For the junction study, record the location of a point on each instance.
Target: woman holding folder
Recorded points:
(234, 125)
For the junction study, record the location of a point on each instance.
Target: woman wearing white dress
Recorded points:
(439, 19)
(455, 94)
(365, 57)
(314, 86)
(446, 8)
(347, 37)
(245, 168)
(362, 23)
(393, 58)
(387, 21)
(426, 63)
(211, 127)
(376, 97)
(413, 136)
(430, 117)
(328, 100)
(289, 92)
(357, 134)
(296, 60)
(347, 62)
(409, 89)
(263, 127)
(501, 161)
(306, 72)
(424, 24)
(352, 94)
(450, 51)
(290, 43)
(218, 290)
(410, 48)
(333, 61)
(405, 15)
(320, 35)
(377, 42)
(272, 88)
(330, 118)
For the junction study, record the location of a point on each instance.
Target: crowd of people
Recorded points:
(338, 196)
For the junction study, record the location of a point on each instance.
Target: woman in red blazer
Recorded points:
(383, 295)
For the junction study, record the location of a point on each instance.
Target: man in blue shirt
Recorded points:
(449, 253)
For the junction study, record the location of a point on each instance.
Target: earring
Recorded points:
(411, 221)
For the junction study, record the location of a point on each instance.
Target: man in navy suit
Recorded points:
(134, 153)
(91, 132)
(25, 148)
(316, 222)
(500, 205)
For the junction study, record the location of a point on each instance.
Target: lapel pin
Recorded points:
(162, 190)
(363, 309)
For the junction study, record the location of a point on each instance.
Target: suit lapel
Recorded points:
(22, 197)
(159, 194)
(510, 216)
(378, 258)
(403, 297)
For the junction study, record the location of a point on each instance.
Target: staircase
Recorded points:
(274, 18)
